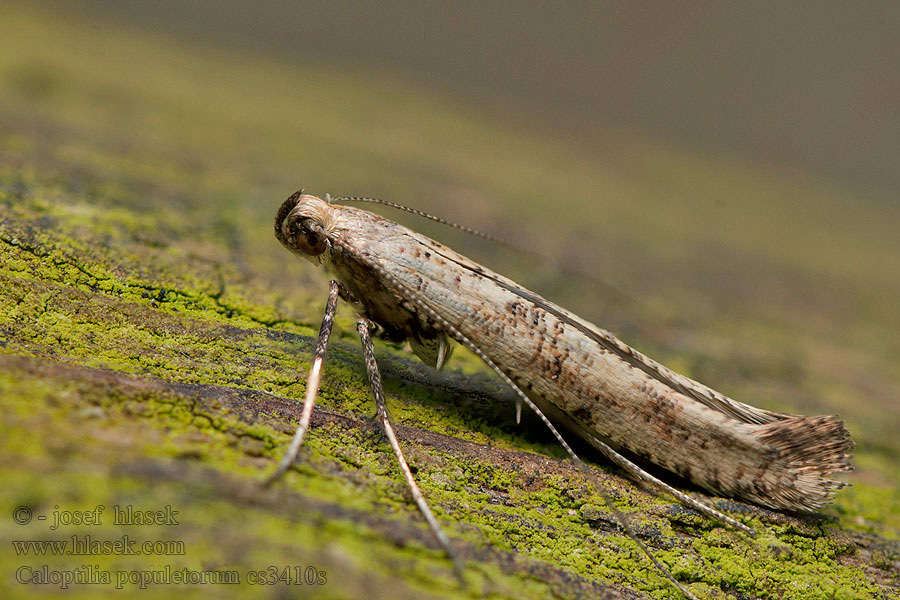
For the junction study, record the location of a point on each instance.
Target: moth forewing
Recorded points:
(607, 388)
(417, 289)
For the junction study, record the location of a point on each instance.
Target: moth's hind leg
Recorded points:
(642, 475)
(384, 421)
(312, 384)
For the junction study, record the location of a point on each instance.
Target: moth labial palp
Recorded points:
(577, 375)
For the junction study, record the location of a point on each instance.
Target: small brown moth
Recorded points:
(568, 371)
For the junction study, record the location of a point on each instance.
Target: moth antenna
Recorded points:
(411, 296)
(611, 289)
(419, 213)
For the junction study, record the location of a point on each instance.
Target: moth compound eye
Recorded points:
(308, 239)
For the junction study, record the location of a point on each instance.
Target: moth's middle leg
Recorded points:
(381, 416)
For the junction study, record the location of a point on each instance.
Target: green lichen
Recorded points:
(60, 303)
(154, 339)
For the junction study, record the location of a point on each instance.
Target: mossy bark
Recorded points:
(155, 341)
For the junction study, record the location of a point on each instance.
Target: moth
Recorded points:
(571, 373)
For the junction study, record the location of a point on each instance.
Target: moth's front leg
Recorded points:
(312, 384)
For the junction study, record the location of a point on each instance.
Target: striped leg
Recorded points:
(312, 386)
(382, 416)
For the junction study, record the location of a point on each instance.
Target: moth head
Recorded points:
(303, 223)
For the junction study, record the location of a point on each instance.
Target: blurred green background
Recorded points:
(715, 183)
